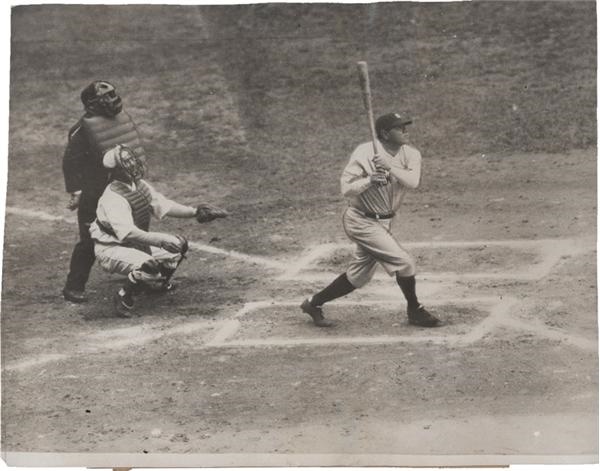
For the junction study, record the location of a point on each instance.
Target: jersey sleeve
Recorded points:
(407, 170)
(161, 205)
(355, 178)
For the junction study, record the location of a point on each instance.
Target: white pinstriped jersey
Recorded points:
(356, 185)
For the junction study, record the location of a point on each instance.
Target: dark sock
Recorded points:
(336, 289)
(408, 286)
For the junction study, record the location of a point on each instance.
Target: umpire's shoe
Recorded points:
(123, 302)
(421, 317)
(316, 313)
(74, 296)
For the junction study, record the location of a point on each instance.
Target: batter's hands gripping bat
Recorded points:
(365, 87)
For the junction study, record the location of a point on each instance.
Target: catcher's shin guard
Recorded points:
(168, 272)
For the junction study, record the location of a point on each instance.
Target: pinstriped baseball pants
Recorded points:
(374, 244)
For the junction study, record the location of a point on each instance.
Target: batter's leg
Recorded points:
(408, 286)
(313, 306)
(417, 314)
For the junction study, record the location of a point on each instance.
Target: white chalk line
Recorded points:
(226, 332)
(252, 259)
(547, 247)
(115, 339)
(552, 250)
(499, 315)
(311, 255)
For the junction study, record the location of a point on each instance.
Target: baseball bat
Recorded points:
(365, 86)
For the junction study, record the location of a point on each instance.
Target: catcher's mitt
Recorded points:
(208, 212)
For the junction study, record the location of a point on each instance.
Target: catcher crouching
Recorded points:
(124, 243)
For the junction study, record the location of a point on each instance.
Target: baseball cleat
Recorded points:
(74, 296)
(316, 313)
(123, 302)
(421, 317)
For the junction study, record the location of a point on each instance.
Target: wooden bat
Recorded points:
(365, 86)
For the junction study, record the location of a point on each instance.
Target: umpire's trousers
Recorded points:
(83, 256)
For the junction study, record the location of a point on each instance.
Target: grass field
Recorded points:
(256, 108)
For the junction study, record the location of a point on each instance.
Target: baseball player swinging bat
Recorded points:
(365, 86)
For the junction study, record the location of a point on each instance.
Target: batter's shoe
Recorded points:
(316, 313)
(123, 303)
(421, 317)
(74, 296)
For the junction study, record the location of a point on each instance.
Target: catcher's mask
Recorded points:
(100, 98)
(126, 164)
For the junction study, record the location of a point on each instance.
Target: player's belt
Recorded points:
(379, 216)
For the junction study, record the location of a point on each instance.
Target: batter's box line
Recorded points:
(499, 316)
(551, 251)
(498, 306)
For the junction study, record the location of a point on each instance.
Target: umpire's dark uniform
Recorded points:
(103, 125)
(83, 171)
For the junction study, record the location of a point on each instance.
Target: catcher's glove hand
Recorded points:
(208, 212)
(174, 243)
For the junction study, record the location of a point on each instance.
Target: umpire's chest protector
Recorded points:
(104, 133)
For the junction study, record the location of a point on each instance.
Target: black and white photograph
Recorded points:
(300, 235)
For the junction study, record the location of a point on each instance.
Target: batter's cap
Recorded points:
(391, 120)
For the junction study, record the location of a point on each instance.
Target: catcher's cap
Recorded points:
(111, 157)
(390, 121)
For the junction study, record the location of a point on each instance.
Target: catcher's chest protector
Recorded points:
(139, 200)
(105, 133)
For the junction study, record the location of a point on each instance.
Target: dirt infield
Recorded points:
(259, 117)
(508, 346)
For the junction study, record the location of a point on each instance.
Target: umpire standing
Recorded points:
(103, 125)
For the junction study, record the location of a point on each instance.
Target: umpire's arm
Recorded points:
(73, 161)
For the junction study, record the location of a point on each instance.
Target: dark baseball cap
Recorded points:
(391, 120)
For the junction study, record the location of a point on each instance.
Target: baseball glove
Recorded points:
(208, 212)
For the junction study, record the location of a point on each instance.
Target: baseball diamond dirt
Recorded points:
(256, 108)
